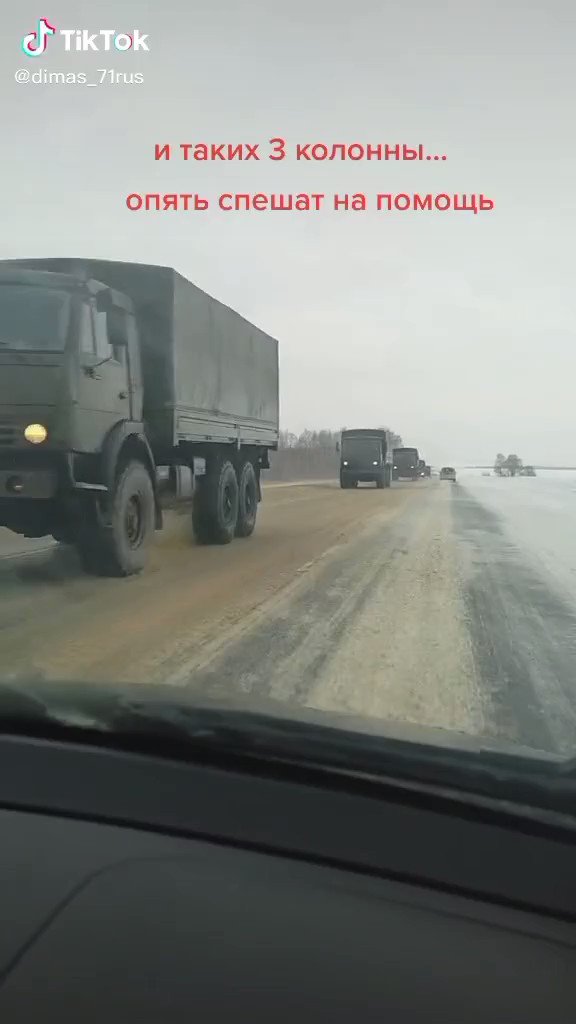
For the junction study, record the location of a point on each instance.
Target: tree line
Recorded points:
(325, 438)
(509, 465)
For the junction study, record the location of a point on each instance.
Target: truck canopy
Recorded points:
(406, 454)
(365, 432)
(209, 374)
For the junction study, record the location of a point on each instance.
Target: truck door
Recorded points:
(103, 393)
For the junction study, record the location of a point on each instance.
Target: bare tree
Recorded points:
(287, 440)
(499, 464)
(513, 464)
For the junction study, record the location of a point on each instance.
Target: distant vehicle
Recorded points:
(364, 458)
(485, 474)
(528, 471)
(405, 464)
(448, 473)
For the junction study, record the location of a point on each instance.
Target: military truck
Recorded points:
(124, 388)
(405, 464)
(364, 458)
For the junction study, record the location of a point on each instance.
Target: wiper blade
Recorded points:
(151, 720)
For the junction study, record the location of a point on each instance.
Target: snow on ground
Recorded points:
(538, 514)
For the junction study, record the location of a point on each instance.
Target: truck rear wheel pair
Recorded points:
(225, 503)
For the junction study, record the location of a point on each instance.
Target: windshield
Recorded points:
(33, 319)
(378, 241)
(361, 449)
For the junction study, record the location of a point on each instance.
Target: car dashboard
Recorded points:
(145, 889)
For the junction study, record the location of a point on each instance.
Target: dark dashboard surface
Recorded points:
(111, 921)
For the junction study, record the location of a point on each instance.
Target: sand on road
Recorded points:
(56, 621)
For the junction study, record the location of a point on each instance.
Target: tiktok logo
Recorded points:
(35, 43)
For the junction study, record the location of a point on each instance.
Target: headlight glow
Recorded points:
(35, 433)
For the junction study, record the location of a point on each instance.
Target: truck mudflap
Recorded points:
(24, 483)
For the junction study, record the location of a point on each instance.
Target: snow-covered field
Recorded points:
(538, 514)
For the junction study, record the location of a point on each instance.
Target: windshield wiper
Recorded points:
(152, 720)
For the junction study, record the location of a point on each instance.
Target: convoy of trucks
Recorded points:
(366, 456)
(124, 387)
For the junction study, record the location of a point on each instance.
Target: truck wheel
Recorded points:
(215, 509)
(347, 482)
(247, 501)
(121, 548)
(380, 483)
(387, 477)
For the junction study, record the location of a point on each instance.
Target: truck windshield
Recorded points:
(360, 449)
(33, 319)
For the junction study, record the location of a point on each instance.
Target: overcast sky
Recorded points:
(457, 330)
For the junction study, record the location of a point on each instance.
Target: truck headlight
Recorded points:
(374, 463)
(345, 463)
(35, 433)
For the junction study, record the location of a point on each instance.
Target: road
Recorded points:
(439, 604)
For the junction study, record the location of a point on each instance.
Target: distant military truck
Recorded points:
(364, 458)
(405, 464)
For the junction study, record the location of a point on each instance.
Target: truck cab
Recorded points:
(364, 458)
(70, 372)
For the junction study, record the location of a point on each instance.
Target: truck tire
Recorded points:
(247, 500)
(387, 476)
(215, 508)
(120, 549)
(347, 482)
(381, 481)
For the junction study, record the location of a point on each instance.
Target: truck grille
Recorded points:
(8, 434)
